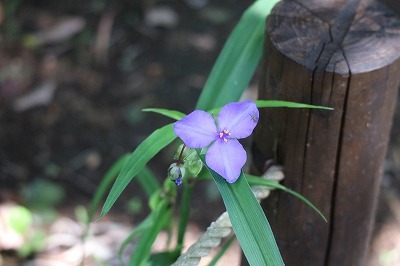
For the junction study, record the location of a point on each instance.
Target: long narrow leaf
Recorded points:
(184, 213)
(143, 248)
(148, 181)
(238, 60)
(108, 178)
(274, 103)
(139, 158)
(255, 180)
(222, 251)
(248, 221)
(166, 112)
(163, 258)
(142, 227)
(260, 104)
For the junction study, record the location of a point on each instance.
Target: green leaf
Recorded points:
(139, 158)
(145, 225)
(248, 221)
(222, 251)
(168, 113)
(274, 103)
(238, 60)
(148, 181)
(184, 213)
(108, 178)
(161, 216)
(164, 258)
(260, 104)
(255, 180)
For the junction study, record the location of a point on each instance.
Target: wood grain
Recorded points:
(342, 54)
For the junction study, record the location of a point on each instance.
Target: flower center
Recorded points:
(224, 134)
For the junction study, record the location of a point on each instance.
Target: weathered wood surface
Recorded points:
(394, 4)
(342, 54)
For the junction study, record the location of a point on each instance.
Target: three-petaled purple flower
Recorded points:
(225, 154)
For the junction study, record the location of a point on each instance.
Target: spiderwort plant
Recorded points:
(225, 155)
(228, 79)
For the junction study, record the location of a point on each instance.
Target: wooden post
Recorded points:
(394, 4)
(345, 55)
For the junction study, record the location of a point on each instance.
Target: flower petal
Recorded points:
(197, 129)
(240, 118)
(226, 158)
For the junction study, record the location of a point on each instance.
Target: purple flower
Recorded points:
(225, 154)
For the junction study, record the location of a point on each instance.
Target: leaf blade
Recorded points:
(255, 180)
(160, 218)
(104, 185)
(166, 112)
(148, 181)
(248, 221)
(147, 223)
(139, 158)
(238, 59)
(276, 103)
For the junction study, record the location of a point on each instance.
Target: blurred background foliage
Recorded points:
(74, 77)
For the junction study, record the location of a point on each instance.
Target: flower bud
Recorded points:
(176, 173)
(190, 159)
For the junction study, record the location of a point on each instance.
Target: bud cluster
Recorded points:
(187, 163)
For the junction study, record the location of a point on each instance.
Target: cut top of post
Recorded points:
(354, 36)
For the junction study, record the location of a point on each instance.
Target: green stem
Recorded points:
(222, 251)
(184, 213)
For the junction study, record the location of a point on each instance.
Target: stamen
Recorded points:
(224, 134)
